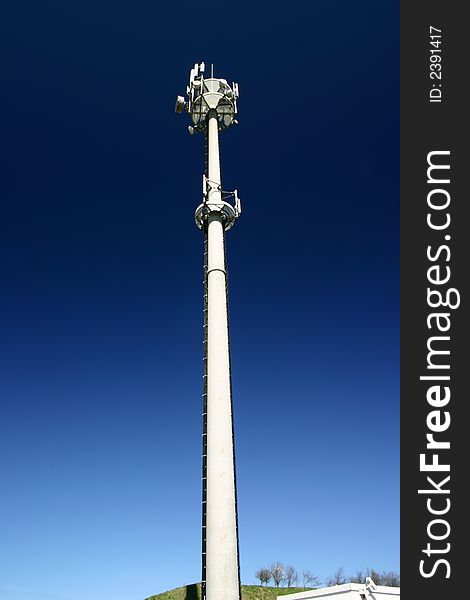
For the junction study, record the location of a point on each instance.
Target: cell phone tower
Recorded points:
(212, 106)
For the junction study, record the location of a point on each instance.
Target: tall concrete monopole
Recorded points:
(211, 104)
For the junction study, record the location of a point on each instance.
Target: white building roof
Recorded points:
(348, 591)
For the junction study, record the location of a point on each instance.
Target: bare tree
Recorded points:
(309, 578)
(388, 578)
(374, 575)
(380, 578)
(337, 578)
(267, 575)
(277, 573)
(359, 577)
(264, 575)
(290, 575)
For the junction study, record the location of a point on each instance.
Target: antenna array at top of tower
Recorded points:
(204, 95)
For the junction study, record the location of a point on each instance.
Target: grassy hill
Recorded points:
(249, 592)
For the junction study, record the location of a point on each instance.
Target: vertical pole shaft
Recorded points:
(222, 574)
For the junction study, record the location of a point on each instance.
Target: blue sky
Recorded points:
(101, 303)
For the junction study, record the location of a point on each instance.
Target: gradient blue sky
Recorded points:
(101, 301)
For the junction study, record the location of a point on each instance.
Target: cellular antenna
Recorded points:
(212, 106)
